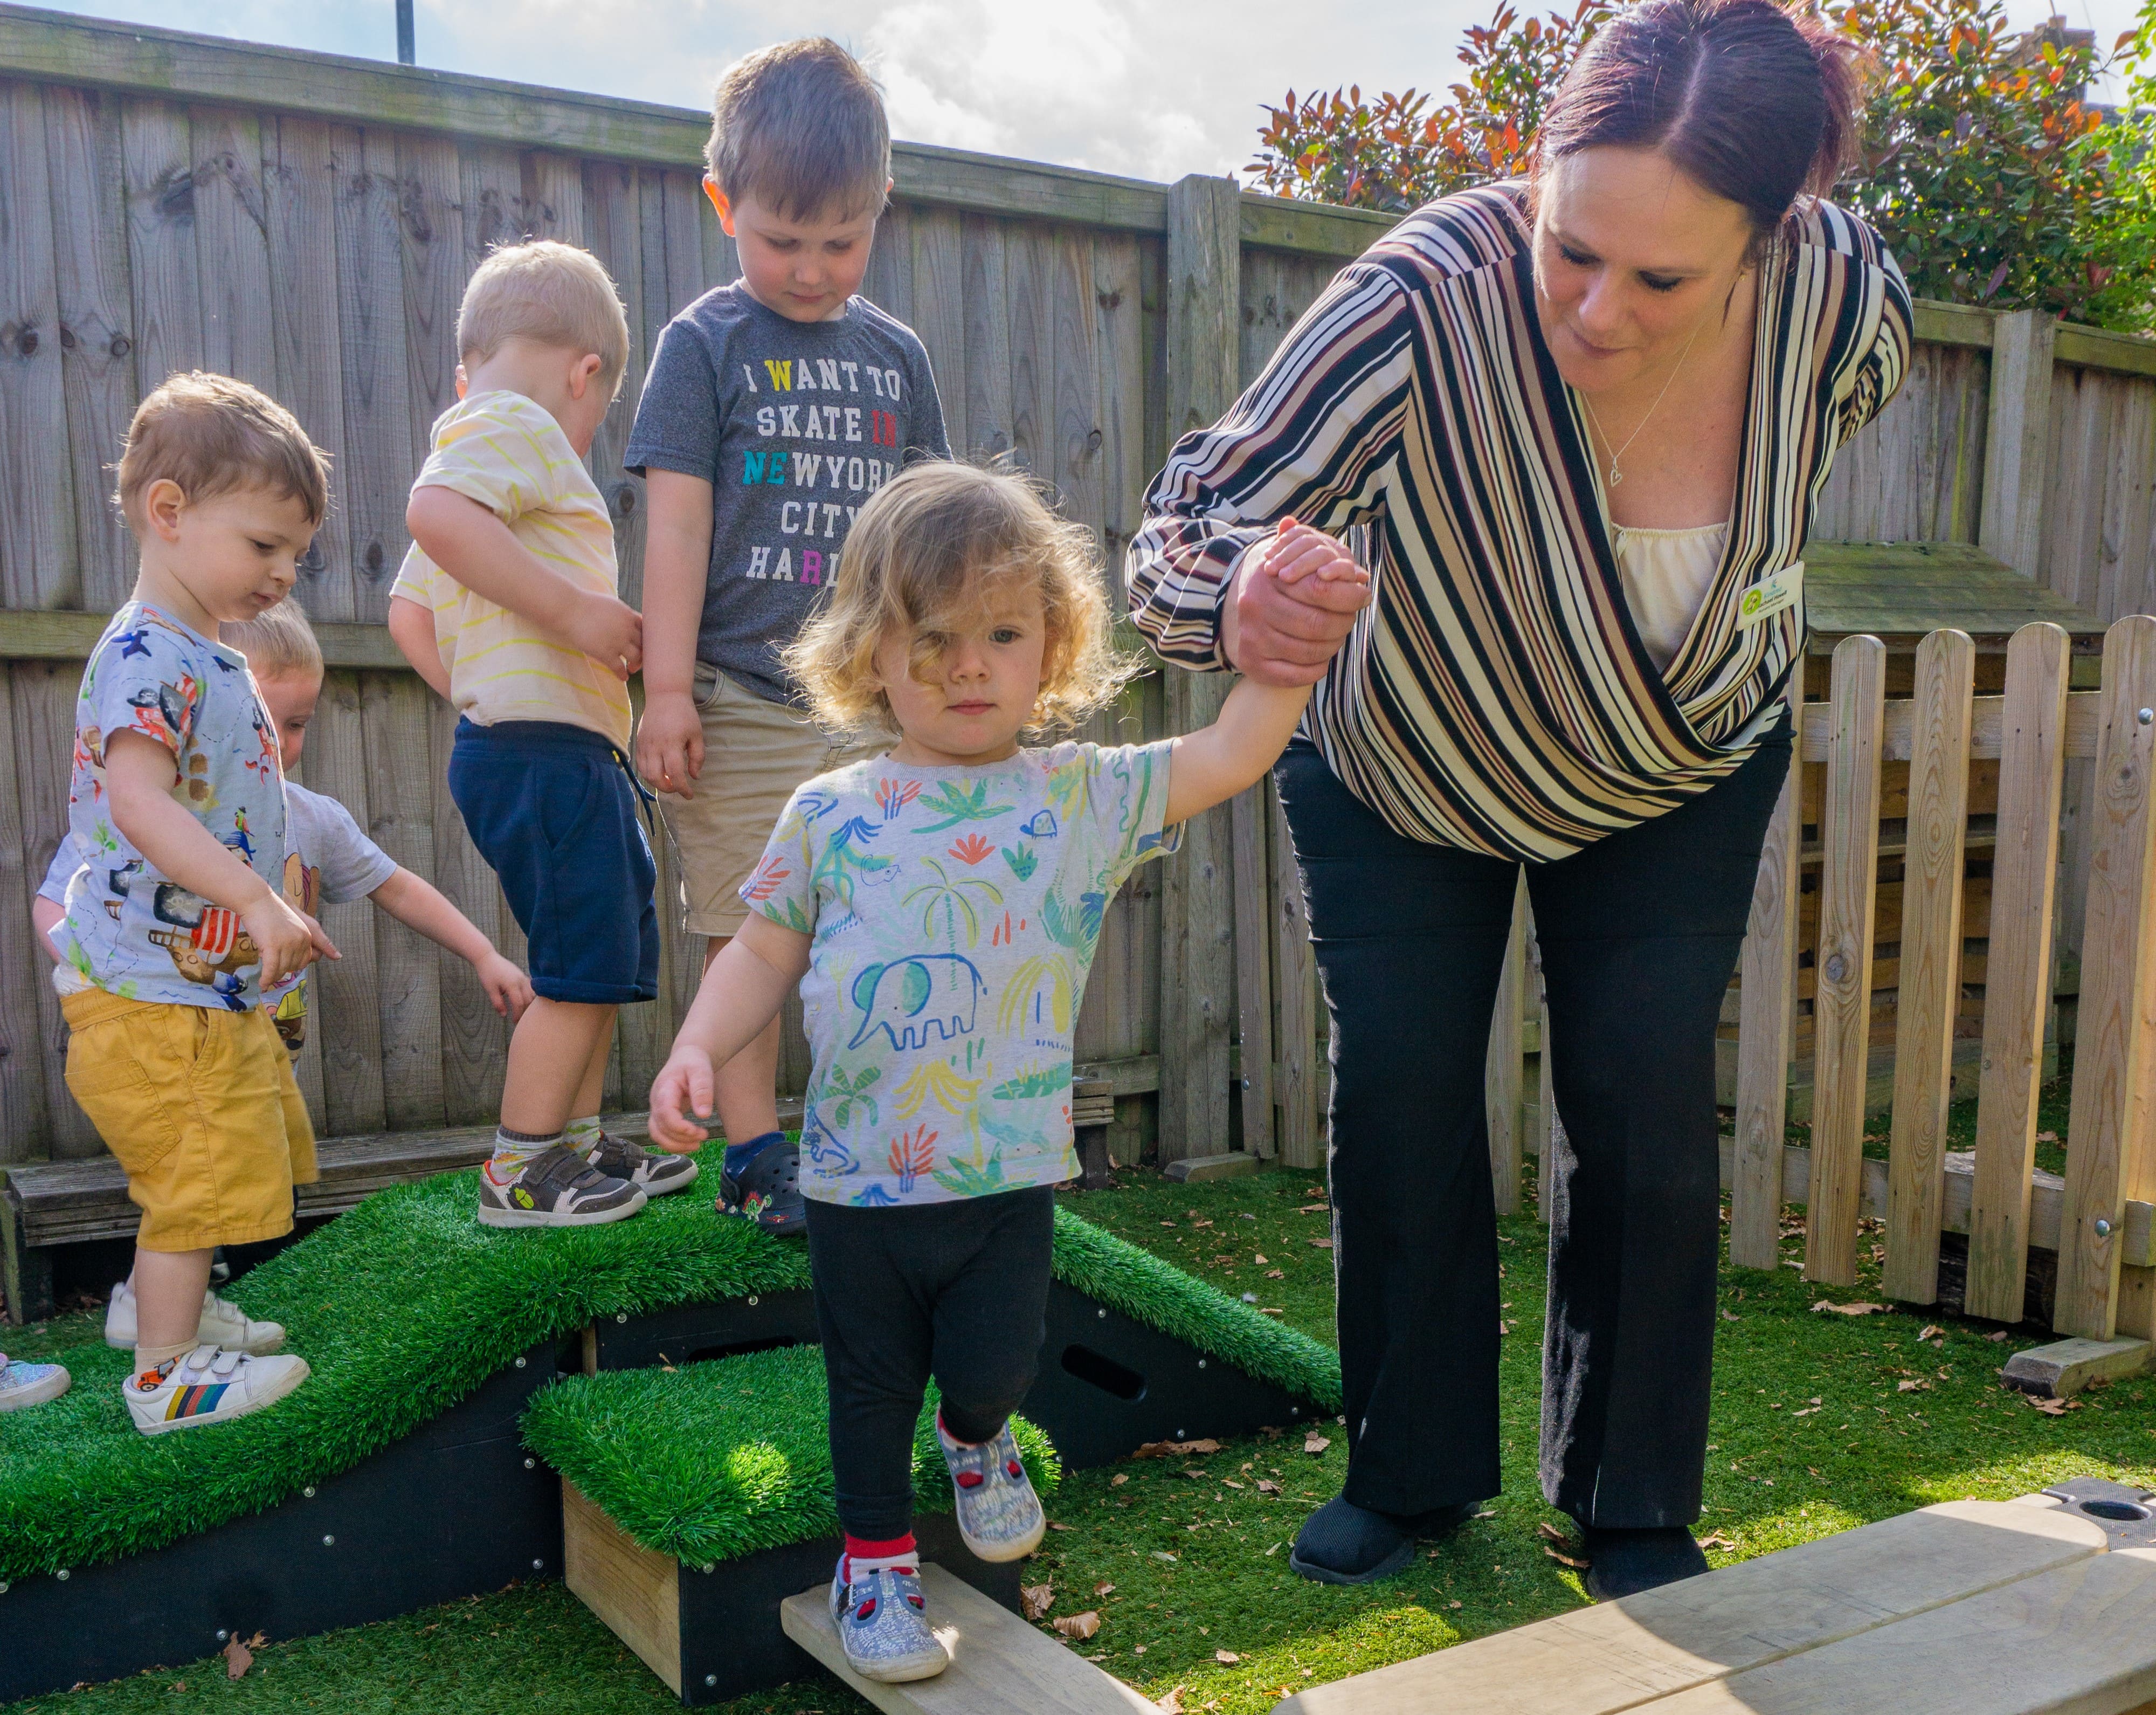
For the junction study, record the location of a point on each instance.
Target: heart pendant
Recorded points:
(1616, 476)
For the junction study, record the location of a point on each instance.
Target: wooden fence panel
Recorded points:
(344, 1003)
(1850, 830)
(394, 722)
(22, 1093)
(1504, 1061)
(2017, 968)
(2098, 548)
(232, 245)
(1930, 975)
(1916, 472)
(380, 456)
(1301, 1085)
(162, 270)
(1767, 972)
(38, 566)
(2110, 1137)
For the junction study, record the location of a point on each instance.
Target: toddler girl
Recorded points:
(940, 906)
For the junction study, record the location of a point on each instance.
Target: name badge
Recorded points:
(1767, 597)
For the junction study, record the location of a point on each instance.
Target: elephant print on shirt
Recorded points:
(909, 997)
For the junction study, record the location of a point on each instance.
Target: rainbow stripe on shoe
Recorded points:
(209, 1385)
(199, 1400)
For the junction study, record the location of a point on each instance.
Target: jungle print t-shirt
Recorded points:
(129, 929)
(954, 914)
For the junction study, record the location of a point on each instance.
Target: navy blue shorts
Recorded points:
(553, 809)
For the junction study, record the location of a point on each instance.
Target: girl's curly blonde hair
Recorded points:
(928, 555)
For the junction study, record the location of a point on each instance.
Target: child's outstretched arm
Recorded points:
(415, 902)
(742, 990)
(412, 629)
(473, 546)
(1212, 765)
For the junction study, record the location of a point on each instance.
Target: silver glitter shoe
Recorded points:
(883, 1622)
(999, 1516)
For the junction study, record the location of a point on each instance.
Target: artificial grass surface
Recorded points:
(1868, 1452)
(405, 1305)
(718, 1460)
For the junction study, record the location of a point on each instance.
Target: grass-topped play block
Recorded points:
(695, 1500)
(397, 1476)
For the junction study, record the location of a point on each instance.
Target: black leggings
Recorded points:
(957, 1290)
(1639, 934)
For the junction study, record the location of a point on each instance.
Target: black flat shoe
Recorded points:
(1343, 1543)
(1623, 1562)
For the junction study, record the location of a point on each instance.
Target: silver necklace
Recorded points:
(1617, 475)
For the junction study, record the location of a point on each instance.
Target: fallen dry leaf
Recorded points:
(1080, 1626)
(1729, 1315)
(1266, 1485)
(1119, 1479)
(1228, 1482)
(2053, 1408)
(1314, 1209)
(1201, 1224)
(1053, 1525)
(1857, 1309)
(1175, 1449)
(2047, 1136)
(1103, 1588)
(1996, 1336)
(1550, 1534)
(1932, 1330)
(1261, 1260)
(1275, 1273)
(1916, 1387)
(1226, 1658)
(1194, 1472)
(1320, 1244)
(237, 1659)
(1035, 1600)
(1719, 1540)
(1314, 1443)
(1573, 1561)
(1501, 1329)
(1171, 1704)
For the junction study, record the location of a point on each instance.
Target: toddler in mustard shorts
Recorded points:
(175, 923)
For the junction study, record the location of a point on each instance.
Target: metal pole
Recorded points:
(408, 51)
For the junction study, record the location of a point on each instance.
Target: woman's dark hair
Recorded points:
(1754, 103)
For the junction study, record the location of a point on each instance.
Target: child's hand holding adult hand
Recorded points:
(288, 940)
(609, 630)
(669, 742)
(506, 986)
(682, 1088)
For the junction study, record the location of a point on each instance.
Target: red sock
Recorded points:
(860, 1547)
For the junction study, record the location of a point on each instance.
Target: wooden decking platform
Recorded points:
(1968, 1608)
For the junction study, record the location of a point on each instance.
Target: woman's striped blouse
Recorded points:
(1496, 695)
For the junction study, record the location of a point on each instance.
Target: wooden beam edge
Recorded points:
(34, 634)
(2084, 716)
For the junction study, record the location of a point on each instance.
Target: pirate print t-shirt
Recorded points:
(953, 915)
(794, 425)
(327, 861)
(129, 929)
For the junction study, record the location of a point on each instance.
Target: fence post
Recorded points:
(1504, 1065)
(1849, 892)
(1765, 991)
(1254, 966)
(2017, 979)
(2111, 1132)
(1932, 891)
(1198, 953)
(2017, 444)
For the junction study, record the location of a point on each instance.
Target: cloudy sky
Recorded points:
(1151, 88)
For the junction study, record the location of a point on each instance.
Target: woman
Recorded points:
(1578, 426)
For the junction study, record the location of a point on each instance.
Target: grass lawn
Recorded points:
(1820, 1422)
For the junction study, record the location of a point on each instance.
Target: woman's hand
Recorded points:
(1295, 599)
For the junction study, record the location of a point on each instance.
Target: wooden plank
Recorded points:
(2099, 348)
(380, 456)
(300, 192)
(1638, 1652)
(998, 1662)
(635, 1592)
(1297, 1085)
(97, 363)
(39, 566)
(35, 636)
(1768, 969)
(394, 718)
(1073, 402)
(1203, 270)
(1503, 1062)
(612, 225)
(888, 284)
(24, 1096)
(2111, 1152)
(1254, 986)
(2016, 453)
(346, 997)
(1548, 1131)
(1954, 324)
(431, 229)
(988, 408)
(1118, 290)
(232, 245)
(553, 186)
(491, 178)
(939, 310)
(1987, 729)
(162, 270)
(2018, 968)
(1849, 828)
(1930, 976)
(2077, 1640)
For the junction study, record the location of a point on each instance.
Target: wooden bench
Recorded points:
(1968, 1608)
(44, 1205)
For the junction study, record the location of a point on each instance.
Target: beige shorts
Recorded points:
(755, 753)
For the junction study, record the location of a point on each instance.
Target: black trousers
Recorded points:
(1639, 934)
(956, 1290)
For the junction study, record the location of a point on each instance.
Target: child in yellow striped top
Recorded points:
(507, 605)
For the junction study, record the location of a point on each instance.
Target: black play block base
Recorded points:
(456, 1509)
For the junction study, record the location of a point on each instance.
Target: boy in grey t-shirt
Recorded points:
(774, 408)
